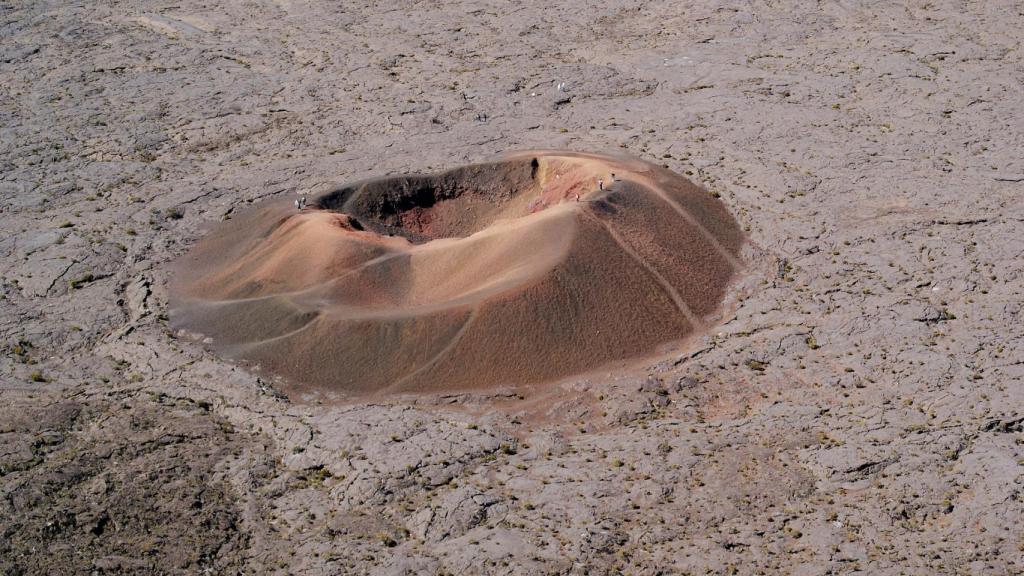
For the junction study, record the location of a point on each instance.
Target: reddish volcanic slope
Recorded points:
(486, 275)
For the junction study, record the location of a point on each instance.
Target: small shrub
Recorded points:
(756, 365)
(81, 280)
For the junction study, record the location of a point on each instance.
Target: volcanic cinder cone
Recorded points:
(521, 270)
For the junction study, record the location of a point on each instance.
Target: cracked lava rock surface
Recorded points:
(857, 407)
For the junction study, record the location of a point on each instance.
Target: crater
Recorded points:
(452, 204)
(528, 269)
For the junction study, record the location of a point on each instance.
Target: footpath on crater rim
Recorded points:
(533, 267)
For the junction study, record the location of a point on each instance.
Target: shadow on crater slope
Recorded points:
(521, 270)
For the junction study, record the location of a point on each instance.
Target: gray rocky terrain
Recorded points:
(859, 408)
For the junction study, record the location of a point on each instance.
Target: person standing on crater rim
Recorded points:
(600, 184)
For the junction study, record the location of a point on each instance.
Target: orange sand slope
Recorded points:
(486, 275)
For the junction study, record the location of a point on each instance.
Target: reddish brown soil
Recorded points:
(487, 275)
